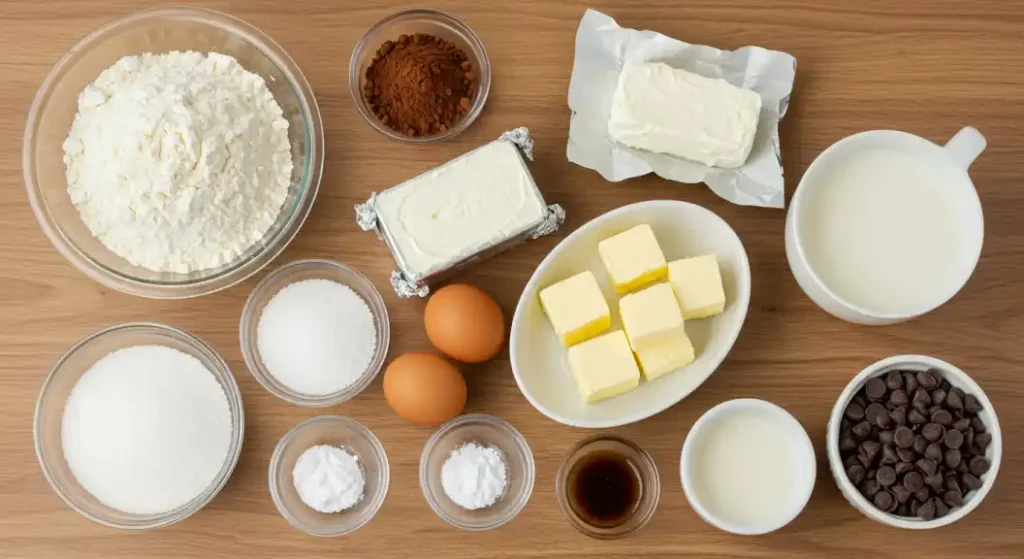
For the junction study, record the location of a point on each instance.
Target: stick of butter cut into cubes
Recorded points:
(576, 308)
(633, 258)
(698, 286)
(604, 367)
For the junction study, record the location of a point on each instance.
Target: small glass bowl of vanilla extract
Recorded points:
(607, 487)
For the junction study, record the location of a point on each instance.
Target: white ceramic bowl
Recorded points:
(957, 378)
(538, 359)
(805, 460)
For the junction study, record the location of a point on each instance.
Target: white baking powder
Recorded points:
(329, 479)
(179, 161)
(316, 336)
(474, 476)
(146, 429)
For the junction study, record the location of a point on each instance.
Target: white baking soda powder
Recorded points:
(329, 479)
(474, 476)
(146, 429)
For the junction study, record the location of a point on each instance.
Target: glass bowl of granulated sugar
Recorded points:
(173, 152)
(139, 426)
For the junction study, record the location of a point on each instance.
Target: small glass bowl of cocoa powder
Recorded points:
(420, 76)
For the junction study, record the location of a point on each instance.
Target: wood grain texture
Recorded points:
(925, 66)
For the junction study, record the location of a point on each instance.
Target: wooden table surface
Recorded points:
(925, 66)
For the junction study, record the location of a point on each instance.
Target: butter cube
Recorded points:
(698, 286)
(666, 357)
(651, 317)
(576, 308)
(632, 258)
(604, 367)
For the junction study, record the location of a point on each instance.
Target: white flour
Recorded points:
(146, 429)
(178, 162)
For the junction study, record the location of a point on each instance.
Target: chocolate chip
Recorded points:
(970, 481)
(914, 506)
(920, 444)
(953, 439)
(851, 461)
(940, 507)
(906, 454)
(929, 380)
(869, 488)
(933, 452)
(899, 415)
(915, 417)
(962, 424)
(953, 457)
(870, 448)
(938, 397)
(875, 389)
(901, 493)
(855, 474)
(899, 397)
(910, 382)
(876, 414)
(927, 467)
(885, 501)
(953, 498)
(889, 455)
(886, 436)
(847, 444)
(854, 411)
(942, 417)
(979, 465)
(921, 399)
(951, 484)
(971, 404)
(865, 460)
(902, 509)
(954, 400)
(885, 476)
(923, 494)
(963, 468)
(932, 431)
(903, 467)
(982, 440)
(913, 481)
(968, 446)
(927, 510)
(935, 482)
(893, 380)
(904, 437)
(861, 429)
(870, 474)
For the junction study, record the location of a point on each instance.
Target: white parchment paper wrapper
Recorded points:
(602, 47)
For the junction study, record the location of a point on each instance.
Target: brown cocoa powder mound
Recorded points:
(419, 85)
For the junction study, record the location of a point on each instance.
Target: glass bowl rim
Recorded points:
(466, 33)
(235, 404)
(239, 270)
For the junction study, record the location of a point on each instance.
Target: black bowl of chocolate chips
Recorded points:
(914, 442)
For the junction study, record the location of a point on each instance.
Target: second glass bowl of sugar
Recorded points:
(160, 31)
(320, 343)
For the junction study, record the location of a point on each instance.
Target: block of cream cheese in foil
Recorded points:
(666, 110)
(471, 207)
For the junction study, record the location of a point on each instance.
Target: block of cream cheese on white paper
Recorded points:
(452, 211)
(667, 357)
(666, 110)
(697, 283)
(651, 317)
(604, 367)
(576, 308)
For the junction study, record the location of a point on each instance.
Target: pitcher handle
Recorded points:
(965, 146)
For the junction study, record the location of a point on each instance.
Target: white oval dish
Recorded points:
(957, 378)
(538, 359)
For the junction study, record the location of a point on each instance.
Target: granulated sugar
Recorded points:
(146, 429)
(316, 336)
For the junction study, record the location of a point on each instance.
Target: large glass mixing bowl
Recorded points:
(164, 30)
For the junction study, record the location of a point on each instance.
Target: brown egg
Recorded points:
(465, 323)
(424, 388)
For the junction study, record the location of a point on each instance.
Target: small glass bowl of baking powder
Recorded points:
(352, 437)
(293, 273)
(487, 431)
(64, 377)
(410, 22)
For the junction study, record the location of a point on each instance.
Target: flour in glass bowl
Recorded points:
(178, 162)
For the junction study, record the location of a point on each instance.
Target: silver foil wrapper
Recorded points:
(408, 283)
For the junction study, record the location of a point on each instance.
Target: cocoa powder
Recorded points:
(419, 85)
